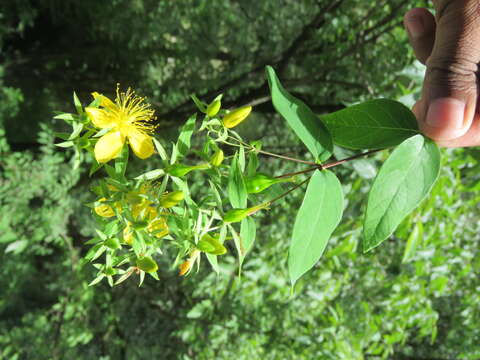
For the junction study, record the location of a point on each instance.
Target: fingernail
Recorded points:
(446, 113)
(415, 26)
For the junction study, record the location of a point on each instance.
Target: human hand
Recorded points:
(449, 44)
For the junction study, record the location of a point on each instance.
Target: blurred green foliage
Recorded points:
(351, 306)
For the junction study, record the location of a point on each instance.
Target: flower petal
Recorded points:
(99, 118)
(109, 146)
(141, 143)
(105, 101)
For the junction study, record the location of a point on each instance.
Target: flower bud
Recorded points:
(213, 108)
(109, 271)
(259, 182)
(235, 117)
(171, 199)
(185, 267)
(217, 158)
(237, 215)
(211, 245)
(147, 264)
(180, 170)
(104, 210)
(113, 243)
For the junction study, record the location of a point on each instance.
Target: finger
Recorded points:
(420, 25)
(450, 87)
(471, 138)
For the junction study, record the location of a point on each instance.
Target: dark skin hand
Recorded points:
(449, 45)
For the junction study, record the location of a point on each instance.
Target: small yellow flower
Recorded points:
(235, 117)
(128, 235)
(128, 118)
(158, 228)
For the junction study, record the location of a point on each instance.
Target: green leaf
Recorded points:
(160, 149)
(374, 124)
(78, 104)
(65, 144)
(237, 192)
(151, 175)
(200, 104)
(122, 161)
(66, 117)
(308, 127)
(317, 218)
(403, 181)
(248, 232)
(413, 241)
(77, 129)
(183, 143)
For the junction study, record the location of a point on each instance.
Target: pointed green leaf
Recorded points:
(78, 104)
(413, 241)
(237, 192)
(248, 231)
(374, 124)
(316, 220)
(183, 143)
(403, 181)
(122, 161)
(308, 127)
(160, 149)
(200, 104)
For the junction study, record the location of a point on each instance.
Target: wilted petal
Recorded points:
(109, 146)
(141, 143)
(99, 118)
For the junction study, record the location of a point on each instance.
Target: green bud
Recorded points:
(113, 243)
(237, 215)
(180, 170)
(259, 182)
(217, 158)
(147, 264)
(109, 271)
(213, 108)
(171, 199)
(211, 245)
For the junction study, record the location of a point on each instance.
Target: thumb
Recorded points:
(450, 86)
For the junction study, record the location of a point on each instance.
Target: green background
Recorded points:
(330, 54)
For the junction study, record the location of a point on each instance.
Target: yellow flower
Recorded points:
(158, 228)
(127, 118)
(235, 117)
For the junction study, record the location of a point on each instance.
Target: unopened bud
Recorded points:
(171, 199)
(235, 117)
(211, 245)
(213, 108)
(147, 264)
(104, 210)
(217, 158)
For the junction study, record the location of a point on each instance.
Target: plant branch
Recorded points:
(287, 192)
(339, 162)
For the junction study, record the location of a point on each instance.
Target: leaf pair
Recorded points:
(402, 183)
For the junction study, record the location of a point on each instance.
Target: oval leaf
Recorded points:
(403, 181)
(308, 127)
(318, 216)
(374, 124)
